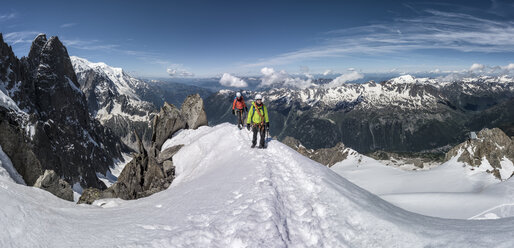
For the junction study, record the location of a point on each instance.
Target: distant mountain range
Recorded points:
(400, 114)
(126, 104)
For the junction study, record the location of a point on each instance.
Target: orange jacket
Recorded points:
(239, 104)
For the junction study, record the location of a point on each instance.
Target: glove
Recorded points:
(248, 127)
(233, 112)
(267, 126)
(246, 109)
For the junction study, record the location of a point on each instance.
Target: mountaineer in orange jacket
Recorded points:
(240, 106)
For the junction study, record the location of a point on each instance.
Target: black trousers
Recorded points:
(240, 117)
(258, 129)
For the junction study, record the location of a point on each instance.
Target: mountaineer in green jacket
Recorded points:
(258, 120)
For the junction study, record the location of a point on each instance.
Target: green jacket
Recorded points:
(254, 117)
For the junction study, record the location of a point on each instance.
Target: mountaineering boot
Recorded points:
(239, 126)
(253, 145)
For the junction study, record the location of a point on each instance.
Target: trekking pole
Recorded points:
(249, 136)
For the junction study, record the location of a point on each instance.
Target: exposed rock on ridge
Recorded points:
(492, 151)
(324, 156)
(151, 170)
(51, 182)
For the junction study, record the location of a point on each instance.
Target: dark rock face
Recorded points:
(492, 145)
(151, 170)
(51, 182)
(18, 148)
(54, 129)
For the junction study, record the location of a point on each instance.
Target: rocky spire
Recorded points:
(36, 47)
(64, 137)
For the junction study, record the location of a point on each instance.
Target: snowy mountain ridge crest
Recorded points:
(273, 198)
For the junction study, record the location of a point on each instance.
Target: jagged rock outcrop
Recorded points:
(151, 170)
(325, 156)
(50, 128)
(193, 112)
(51, 182)
(492, 151)
(166, 123)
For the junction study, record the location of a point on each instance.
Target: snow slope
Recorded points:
(452, 190)
(228, 195)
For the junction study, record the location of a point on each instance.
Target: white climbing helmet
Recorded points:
(238, 94)
(258, 97)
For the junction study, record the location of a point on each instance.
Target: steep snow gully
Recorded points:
(229, 195)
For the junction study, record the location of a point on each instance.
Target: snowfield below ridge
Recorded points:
(228, 195)
(451, 190)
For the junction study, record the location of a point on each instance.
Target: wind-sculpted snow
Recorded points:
(228, 195)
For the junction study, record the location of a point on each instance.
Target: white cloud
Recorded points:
(282, 78)
(351, 76)
(68, 25)
(477, 70)
(232, 81)
(476, 67)
(178, 71)
(328, 72)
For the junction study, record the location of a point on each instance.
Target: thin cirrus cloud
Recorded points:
(432, 30)
(232, 81)
(68, 25)
(14, 38)
(8, 16)
(146, 56)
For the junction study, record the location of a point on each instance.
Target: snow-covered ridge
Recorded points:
(405, 91)
(245, 198)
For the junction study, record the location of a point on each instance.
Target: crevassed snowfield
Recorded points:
(451, 190)
(228, 195)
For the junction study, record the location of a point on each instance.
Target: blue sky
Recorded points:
(209, 38)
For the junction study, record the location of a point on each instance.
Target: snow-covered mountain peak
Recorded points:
(409, 79)
(114, 97)
(86, 64)
(124, 83)
(404, 79)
